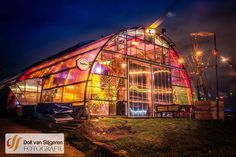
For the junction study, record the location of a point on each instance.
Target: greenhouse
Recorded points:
(134, 72)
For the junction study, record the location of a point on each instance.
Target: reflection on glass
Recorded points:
(28, 91)
(139, 88)
(162, 88)
(73, 93)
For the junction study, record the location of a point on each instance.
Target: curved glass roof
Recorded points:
(134, 36)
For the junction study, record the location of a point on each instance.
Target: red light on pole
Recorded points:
(215, 52)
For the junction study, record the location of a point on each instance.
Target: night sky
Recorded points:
(32, 30)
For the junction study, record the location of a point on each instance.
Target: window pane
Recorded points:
(99, 107)
(76, 75)
(73, 93)
(55, 80)
(52, 95)
(110, 64)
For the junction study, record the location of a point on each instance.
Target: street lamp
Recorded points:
(228, 61)
(215, 53)
(223, 59)
(199, 53)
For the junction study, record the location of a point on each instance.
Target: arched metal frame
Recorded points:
(163, 37)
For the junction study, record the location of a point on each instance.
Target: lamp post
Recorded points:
(216, 75)
(215, 53)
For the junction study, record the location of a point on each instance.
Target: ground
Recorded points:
(140, 137)
(10, 126)
(163, 137)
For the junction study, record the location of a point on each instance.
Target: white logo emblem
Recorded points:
(82, 64)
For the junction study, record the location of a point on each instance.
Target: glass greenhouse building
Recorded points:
(134, 72)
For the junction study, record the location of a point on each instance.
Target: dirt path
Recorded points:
(8, 126)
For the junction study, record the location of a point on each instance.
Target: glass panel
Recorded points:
(159, 41)
(140, 44)
(180, 78)
(28, 91)
(182, 95)
(139, 88)
(21, 85)
(105, 108)
(162, 90)
(110, 64)
(32, 98)
(19, 94)
(150, 52)
(140, 48)
(131, 44)
(76, 75)
(73, 93)
(52, 95)
(32, 91)
(140, 34)
(174, 59)
(107, 91)
(107, 88)
(131, 32)
(99, 107)
(56, 80)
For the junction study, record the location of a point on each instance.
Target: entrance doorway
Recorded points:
(149, 86)
(139, 89)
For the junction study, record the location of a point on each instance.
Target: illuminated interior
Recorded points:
(128, 73)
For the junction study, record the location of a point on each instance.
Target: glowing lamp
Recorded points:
(150, 31)
(98, 70)
(135, 43)
(123, 65)
(118, 56)
(198, 53)
(215, 52)
(224, 59)
(105, 62)
(180, 61)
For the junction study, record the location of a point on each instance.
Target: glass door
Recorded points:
(162, 88)
(139, 89)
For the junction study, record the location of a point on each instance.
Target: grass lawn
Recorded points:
(160, 137)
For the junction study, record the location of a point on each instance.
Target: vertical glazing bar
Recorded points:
(128, 90)
(62, 92)
(152, 93)
(126, 42)
(164, 92)
(145, 45)
(158, 85)
(135, 46)
(171, 91)
(154, 52)
(42, 84)
(169, 87)
(161, 90)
